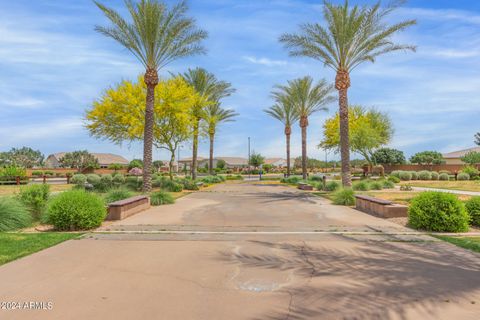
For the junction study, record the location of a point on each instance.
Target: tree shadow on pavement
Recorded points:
(269, 197)
(368, 280)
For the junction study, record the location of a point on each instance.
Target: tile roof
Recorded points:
(103, 158)
(461, 153)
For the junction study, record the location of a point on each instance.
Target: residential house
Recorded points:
(104, 159)
(454, 157)
(230, 162)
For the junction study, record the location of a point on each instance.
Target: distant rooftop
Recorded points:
(460, 153)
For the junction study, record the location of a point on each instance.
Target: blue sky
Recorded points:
(53, 65)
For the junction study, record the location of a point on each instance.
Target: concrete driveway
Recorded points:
(247, 251)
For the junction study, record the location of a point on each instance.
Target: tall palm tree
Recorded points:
(215, 115)
(306, 98)
(210, 91)
(284, 111)
(353, 35)
(156, 36)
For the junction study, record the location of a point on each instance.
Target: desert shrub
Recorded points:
(443, 177)
(189, 184)
(213, 179)
(117, 194)
(35, 198)
(473, 209)
(414, 175)
(405, 176)
(394, 179)
(13, 214)
(396, 173)
(471, 171)
(361, 186)
(435, 175)
(168, 185)
(406, 188)
(424, 175)
(316, 178)
(37, 173)
(444, 171)
(75, 210)
(106, 179)
(344, 197)
(135, 172)
(234, 177)
(462, 176)
(387, 184)
(134, 183)
(79, 179)
(93, 179)
(376, 185)
(332, 186)
(291, 180)
(161, 197)
(118, 179)
(438, 211)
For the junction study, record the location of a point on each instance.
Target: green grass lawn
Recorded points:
(17, 245)
(470, 243)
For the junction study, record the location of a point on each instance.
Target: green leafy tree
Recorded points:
(388, 156)
(210, 91)
(306, 98)
(214, 116)
(472, 158)
(156, 36)
(135, 163)
(157, 164)
(221, 164)
(256, 160)
(284, 111)
(24, 157)
(80, 160)
(116, 166)
(369, 130)
(351, 36)
(427, 158)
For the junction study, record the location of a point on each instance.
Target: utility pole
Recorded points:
(249, 158)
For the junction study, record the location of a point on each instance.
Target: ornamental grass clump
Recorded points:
(376, 185)
(117, 195)
(14, 214)
(160, 198)
(438, 211)
(35, 198)
(344, 197)
(332, 186)
(75, 210)
(361, 186)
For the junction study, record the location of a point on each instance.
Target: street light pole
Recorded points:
(248, 157)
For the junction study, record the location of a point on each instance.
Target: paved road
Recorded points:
(248, 251)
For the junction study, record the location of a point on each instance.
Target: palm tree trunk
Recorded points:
(151, 80)
(303, 125)
(342, 83)
(210, 160)
(288, 132)
(195, 148)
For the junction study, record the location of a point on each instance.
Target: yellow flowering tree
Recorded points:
(368, 130)
(118, 115)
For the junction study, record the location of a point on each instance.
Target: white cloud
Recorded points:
(265, 61)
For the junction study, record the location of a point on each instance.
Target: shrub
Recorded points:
(361, 186)
(168, 185)
(387, 184)
(473, 209)
(376, 185)
(471, 171)
(462, 176)
(93, 179)
(76, 210)
(435, 175)
(118, 179)
(405, 176)
(406, 188)
(35, 198)
(189, 184)
(443, 177)
(344, 197)
(134, 183)
(424, 175)
(117, 194)
(316, 178)
(213, 179)
(13, 214)
(396, 173)
(161, 197)
(234, 177)
(332, 186)
(438, 211)
(37, 173)
(414, 175)
(444, 171)
(79, 179)
(135, 172)
(291, 180)
(394, 179)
